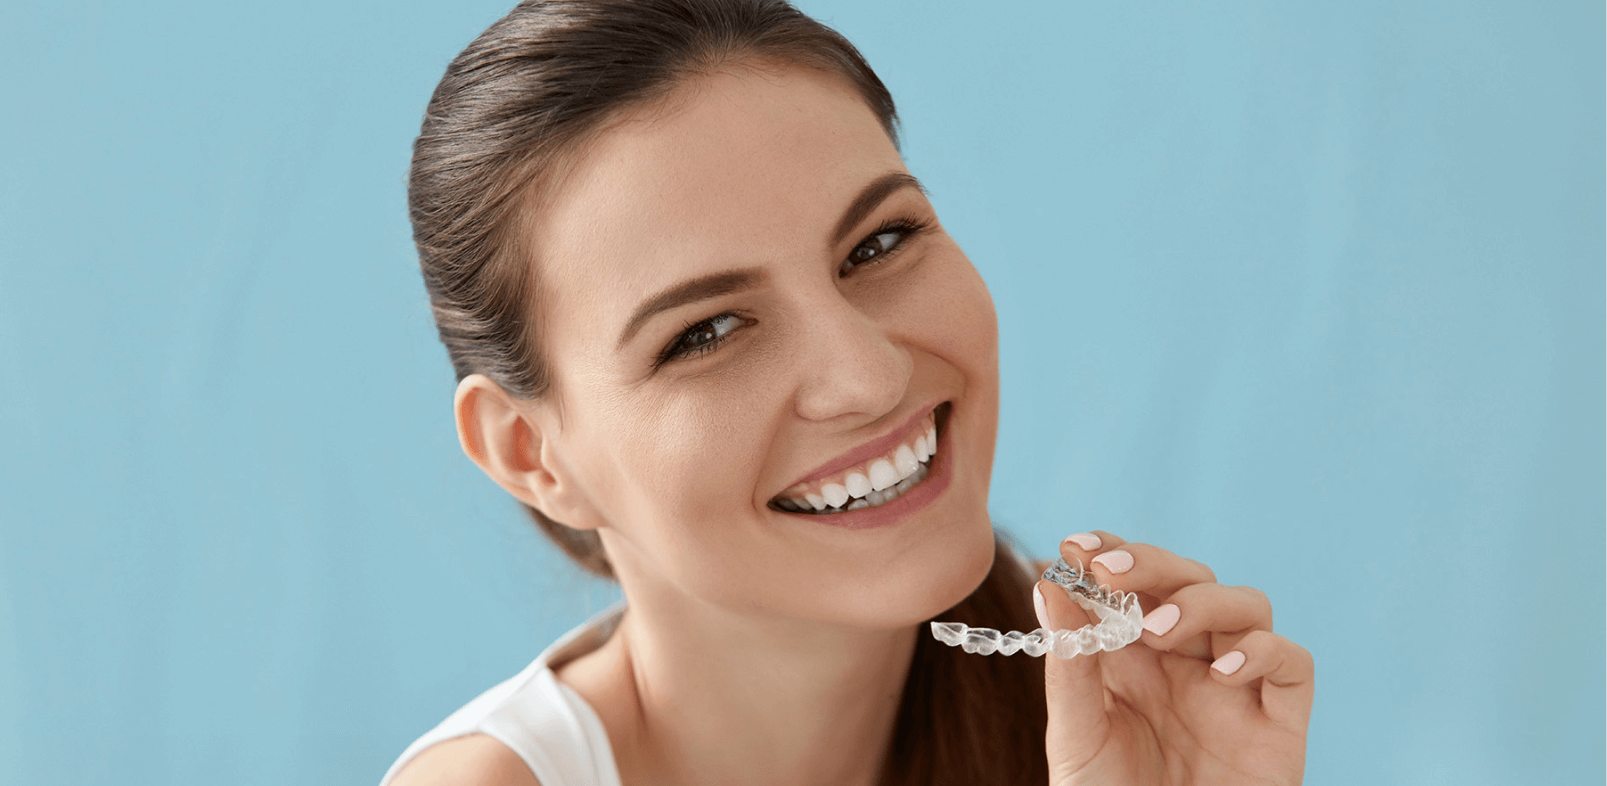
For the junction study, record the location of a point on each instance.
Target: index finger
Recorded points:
(1148, 570)
(1084, 546)
(1134, 567)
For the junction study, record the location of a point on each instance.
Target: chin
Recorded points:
(964, 572)
(925, 582)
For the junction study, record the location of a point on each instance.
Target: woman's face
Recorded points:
(744, 298)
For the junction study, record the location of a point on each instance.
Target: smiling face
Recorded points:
(746, 300)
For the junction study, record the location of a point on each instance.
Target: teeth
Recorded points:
(872, 499)
(858, 485)
(882, 475)
(882, 482)
(904, 462)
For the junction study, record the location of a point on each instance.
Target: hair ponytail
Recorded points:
(971, 719)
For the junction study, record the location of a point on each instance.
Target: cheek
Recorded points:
(945, 308)
(686, 452)
(971, 326)
(686, 479)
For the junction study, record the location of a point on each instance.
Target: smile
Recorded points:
(871, 483)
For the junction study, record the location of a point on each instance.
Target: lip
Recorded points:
(875, 448)
(922, 495)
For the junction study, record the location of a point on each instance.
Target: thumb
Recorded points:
(1074, 688)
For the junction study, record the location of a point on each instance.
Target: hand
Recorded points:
(1158, 711)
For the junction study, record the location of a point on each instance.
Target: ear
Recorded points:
(505, 437)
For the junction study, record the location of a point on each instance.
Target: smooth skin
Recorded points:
(759, 646)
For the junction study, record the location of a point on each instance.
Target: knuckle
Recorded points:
(1302, 656)
(1260, 640)
(1193, 595)
(1257, 598)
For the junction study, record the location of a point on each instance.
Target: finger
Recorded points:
(1148, 570)
(1286, 671)
(1074, 689)
(1206, 620)
(1084, 546)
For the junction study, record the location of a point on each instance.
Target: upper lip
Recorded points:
(875, 448)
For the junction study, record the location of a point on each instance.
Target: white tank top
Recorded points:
(544, 721)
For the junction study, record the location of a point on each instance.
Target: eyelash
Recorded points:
(908, 227)
(674, 352)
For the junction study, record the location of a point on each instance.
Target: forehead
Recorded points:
(741, 168)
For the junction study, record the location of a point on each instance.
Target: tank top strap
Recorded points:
(545, 722)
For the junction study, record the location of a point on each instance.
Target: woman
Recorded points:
(710, 332)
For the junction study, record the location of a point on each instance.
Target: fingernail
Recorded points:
(1037, 604)
(1229, 663)
(1087, 541)
(1162, 619)
(1115, 561)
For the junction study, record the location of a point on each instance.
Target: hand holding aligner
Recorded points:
(1121, 622)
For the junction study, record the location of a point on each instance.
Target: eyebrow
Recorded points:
(690, 291)
(724, 283)
(870, 198)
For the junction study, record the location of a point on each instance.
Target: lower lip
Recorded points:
(939, 474)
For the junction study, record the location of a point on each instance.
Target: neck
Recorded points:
(692, 693)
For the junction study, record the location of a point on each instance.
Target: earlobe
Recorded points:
(502, 436)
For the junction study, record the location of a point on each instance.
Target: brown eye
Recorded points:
(876, 246)
(702, 338)
(885, 241)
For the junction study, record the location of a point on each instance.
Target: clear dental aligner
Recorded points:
(1121, 622)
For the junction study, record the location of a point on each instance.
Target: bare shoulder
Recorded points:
(474, 760)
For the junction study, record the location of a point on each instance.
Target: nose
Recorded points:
(851, 366)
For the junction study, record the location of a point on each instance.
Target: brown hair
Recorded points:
(532, 90)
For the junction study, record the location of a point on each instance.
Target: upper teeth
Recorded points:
(879, 481)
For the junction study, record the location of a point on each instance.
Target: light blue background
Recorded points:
(1311, 292)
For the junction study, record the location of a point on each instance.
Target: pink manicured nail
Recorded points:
(1115, 561)
(1037, 603)
(1229, 663)
(1162, 619)
(1087, 541)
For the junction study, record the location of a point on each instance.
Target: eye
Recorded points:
(884, 241)
(701, 338)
